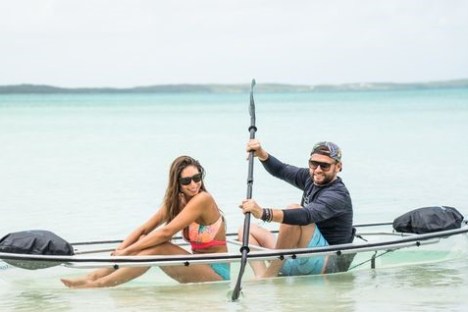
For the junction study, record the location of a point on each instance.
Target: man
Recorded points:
(324, 217)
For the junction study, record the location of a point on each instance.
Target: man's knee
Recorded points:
(289, 227)
(300, 231)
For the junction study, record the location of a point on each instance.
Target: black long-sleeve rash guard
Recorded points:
(328, 206)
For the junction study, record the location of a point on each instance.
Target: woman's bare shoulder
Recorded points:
(203, 197)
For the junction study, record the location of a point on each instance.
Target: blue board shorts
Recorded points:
(306, 265)
(222, 269)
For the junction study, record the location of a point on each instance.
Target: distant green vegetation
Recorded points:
(233, 88)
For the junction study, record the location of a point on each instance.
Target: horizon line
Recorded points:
(237, 84)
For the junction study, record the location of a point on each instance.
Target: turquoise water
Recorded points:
(92, 167)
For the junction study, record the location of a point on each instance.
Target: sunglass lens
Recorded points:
(315, 164)
(324, 166)
(187, 180)
(196, 178)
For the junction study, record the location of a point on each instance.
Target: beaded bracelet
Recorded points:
(264, 215)
(267, 215)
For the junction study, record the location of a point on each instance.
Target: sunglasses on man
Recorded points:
(187, 180)
(315, 164)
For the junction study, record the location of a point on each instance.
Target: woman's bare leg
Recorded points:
(117, 277)
(92, 276)
(193, 273)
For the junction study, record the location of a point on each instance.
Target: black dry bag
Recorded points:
(34, 242)
(428, 219)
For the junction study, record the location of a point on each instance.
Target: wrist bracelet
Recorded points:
(270, 215)
(267, 215)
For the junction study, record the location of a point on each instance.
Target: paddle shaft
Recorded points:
(246, 230)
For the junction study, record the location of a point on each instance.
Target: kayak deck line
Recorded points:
(85, 259)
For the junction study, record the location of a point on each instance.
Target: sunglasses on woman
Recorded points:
(187, 180)
(315, 164)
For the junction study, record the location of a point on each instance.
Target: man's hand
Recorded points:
(249, 205)
(254, 146)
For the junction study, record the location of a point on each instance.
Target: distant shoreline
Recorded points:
(235, 88)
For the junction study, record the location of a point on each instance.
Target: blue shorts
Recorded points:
(222, 269)
(306, 265)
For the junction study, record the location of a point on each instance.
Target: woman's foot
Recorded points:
(76, 283)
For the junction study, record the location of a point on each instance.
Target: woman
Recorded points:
(187, 207)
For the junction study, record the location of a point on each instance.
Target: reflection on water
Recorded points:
(414, 287)
(430, 275)
(280, 294)
(22, 297)
(297, 293)
(409, 288)
(38, 299)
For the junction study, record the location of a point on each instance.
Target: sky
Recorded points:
(127, 43)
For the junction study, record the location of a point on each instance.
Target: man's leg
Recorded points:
(290, 236)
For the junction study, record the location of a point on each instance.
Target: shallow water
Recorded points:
(424, 287)
(92, 167)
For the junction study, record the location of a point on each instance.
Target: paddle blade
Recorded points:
(252, 127)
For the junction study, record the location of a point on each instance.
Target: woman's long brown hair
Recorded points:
(171, 201)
